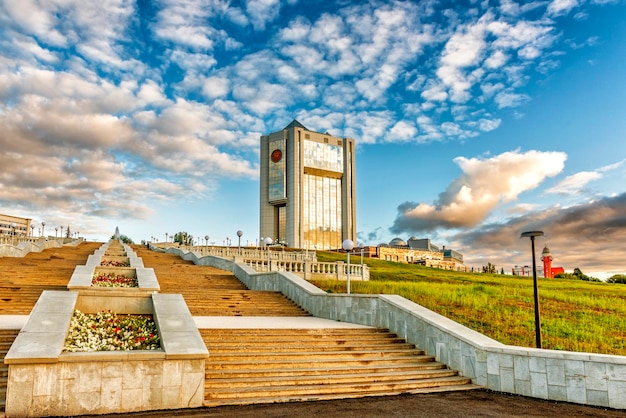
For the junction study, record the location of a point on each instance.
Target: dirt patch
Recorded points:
(475, 403)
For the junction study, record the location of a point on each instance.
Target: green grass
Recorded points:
(575, 315)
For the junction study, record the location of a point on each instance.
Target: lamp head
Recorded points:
(531, 234)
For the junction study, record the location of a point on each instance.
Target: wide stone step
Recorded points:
(323, 370)
(319, 355)
(275, 364)
(335, 389)
(300, 380)
(327, 397)
(310, 346)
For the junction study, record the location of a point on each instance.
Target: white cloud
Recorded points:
(215, 87)
(484, 184)
(402, 131)
(561, 7)
(262, 12)
(574, 183)
(509, 99)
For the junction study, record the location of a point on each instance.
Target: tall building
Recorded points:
(308, 188)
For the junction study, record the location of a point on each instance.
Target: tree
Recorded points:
(502, 271)
(489, 268)
(576, 275)
(183, 238)
(124, 239)
(68, 233)
(617, 278)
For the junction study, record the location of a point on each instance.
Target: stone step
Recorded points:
(360, 354)
(255, 364)
(328, 397)
(219, 373)
(307, 346)
(328, 379)
(336, 389)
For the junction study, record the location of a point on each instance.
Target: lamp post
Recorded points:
(56, 229)
(239, 234)
(361, 247)
(32, 230)
(268, 241)
(43, 229)
(12, 232)
(532, 235)
(348, 245)
(61, 231)
(166, 235)
(206, 239)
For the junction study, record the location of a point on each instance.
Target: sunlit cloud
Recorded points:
(485, 183)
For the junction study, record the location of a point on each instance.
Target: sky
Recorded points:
(474, 121)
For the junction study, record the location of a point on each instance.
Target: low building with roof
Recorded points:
(418, 251)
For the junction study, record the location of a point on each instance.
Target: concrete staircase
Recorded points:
(249, 366)
(212, 292)
(266, 365)
(23, 279)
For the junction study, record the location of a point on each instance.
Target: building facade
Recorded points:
(14, 225)
(419, 251)
(307, 188)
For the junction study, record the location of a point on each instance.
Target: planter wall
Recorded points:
(43, 380)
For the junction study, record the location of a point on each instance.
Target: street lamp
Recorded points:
(166, 235)
(268, 241)
(348, 245)
(12, 232)
(239, 234)
(532, 235)
(361, 247)
(43, 229)
(56, 229)
(61, 231)
(32, 230)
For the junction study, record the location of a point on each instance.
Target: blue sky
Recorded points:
(474, 121)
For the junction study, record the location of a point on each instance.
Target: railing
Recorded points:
(302, 263)
(17, 239)
(311, 269)
(275, 253)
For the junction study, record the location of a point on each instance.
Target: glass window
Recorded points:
(323, 156)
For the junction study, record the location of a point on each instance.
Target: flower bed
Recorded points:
(113, 280)
(107, 331)
(114, 263)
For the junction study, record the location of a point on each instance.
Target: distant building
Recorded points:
(307, 188)
(418, 251)
(14, 225)
(546, 270)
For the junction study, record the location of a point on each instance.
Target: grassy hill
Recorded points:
(575, 315)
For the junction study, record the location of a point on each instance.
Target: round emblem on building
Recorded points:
(276, 155)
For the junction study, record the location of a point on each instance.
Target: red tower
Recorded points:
(546, 257)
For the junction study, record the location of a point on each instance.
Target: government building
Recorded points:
(307, 188)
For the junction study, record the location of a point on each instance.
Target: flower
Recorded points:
(113, 280)
(107, 331)
(113, 263)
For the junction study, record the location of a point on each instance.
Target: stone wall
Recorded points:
(104, 387)
(43, 380)
(590, 379)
